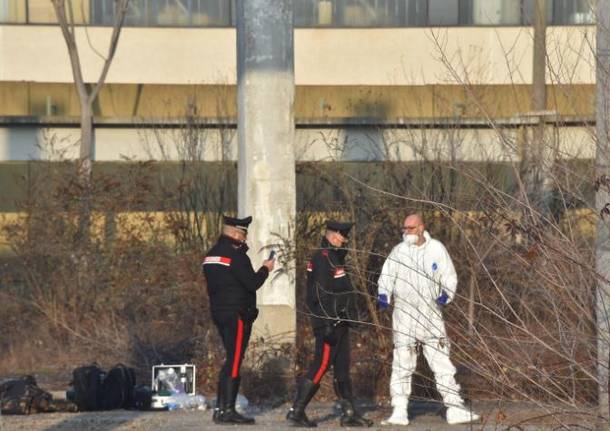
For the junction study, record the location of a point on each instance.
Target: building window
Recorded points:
(314, 13)
(408, 13)
(170, 13)
(529, 12)
(12, 11)
(367, 13)
(490, 12)
(416, 13)
(360, 13)
(102, 12)
(443, 12)
(310, 13)
(570, 12)
(194, 13)
(41, 12)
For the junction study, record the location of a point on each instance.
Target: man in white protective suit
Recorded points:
(418, 277)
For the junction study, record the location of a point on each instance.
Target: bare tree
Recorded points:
(87, 94)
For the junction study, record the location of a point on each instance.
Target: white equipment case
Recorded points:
(169, 381)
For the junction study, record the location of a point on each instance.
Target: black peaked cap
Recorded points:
(342, 227)
(240, 223)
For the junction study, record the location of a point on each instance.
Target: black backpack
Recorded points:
(88, 383)
(95, 389)
(119, 387)
(142, 397)
(22, 396)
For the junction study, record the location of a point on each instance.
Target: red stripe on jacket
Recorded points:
(217, 260)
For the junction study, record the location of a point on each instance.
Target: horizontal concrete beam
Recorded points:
(444, 122)
(375, 56)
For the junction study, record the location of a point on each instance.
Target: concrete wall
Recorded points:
(32, 143)
(403, 56)
(312, 103)
(311, 144)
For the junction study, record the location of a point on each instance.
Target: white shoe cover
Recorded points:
(459, 415)
(399, 417)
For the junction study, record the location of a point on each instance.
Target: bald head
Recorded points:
(414, 225)
(414, 219)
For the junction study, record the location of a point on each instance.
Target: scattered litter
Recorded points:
(186, 402)
(241, 404)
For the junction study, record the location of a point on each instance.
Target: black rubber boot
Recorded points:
(305, 392)
(219, 402)
(350, 417)
(228, 414)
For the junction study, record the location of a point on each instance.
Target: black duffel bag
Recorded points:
(94, 389)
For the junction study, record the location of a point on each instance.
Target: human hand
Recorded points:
(382, 301)
(270, 264)
(443, 299)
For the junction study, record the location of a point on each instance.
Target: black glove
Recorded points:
(350, 313)
(249, 314)
(329, 335)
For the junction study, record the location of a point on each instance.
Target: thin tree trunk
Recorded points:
(539, 66)
(86, 144)
(471, 286)
(86, 152)
(602, 199)
(538, 155)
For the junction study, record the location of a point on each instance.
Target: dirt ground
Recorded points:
(424, 417)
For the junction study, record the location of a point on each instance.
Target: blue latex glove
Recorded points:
(382, 301)
(443, 299)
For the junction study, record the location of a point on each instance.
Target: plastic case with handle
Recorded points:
(169, 381)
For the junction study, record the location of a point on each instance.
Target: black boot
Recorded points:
(219, 402)
(305, 392)
(350, 417)
(216, 415)
(229, 415)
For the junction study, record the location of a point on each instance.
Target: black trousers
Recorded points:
(336, 355)
(235, 334)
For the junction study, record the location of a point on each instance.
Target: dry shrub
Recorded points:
(129, 294)
(522, 324)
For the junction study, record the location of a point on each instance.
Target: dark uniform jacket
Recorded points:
(232, 282)
(330, 295)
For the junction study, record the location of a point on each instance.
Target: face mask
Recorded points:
(341, 252)
(410, 238)
(240, 245)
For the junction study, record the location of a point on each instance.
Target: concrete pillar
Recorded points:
(266, 169)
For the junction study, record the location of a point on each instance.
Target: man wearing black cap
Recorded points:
(232, 285)
(331, 300)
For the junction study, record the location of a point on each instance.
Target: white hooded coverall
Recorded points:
(413, 277)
